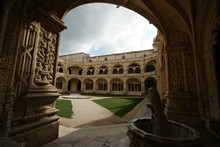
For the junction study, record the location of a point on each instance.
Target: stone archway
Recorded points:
(29, 40)
(150, 82)
(74, 85)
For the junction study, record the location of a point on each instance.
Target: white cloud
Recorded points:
(103, 29)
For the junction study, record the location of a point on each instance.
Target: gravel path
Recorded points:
(88, 113)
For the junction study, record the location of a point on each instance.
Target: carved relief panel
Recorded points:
(45, 57)
(178, 62)
(25, 57)
(176, 71)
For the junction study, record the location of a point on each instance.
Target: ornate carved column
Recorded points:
(82, 86)
(9, 33)
(124, 87)
(95, 88)
(35, 79)
(108, 86)
(181, 104)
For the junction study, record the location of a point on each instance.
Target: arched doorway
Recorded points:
(150, 82)
(74, 85)
(61, 84)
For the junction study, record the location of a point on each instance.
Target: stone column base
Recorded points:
(183, 107)
(39, 135)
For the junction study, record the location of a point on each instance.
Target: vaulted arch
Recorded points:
(29, 45)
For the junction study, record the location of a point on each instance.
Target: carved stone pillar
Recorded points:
(9, 33)
(35, 79)
(95, 88)
(181, 105)
(124, 87)
(82, 86)
(108, 87)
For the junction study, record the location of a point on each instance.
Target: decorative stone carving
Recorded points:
(9, 30)
(158, 131)
(160, 123)
(189, 66)
(176, 73)
(26, 56)
(179, 38)
(46, 56)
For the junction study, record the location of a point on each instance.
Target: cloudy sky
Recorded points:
(99, 29)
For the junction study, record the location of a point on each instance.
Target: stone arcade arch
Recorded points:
(29, 40)
(151, 66)
(117, 86)
(61, 84)
(150, 82)
(74, 85)
(74, 70)
(89, 85)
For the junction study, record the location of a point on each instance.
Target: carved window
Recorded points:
(134, 86)
(59, 84)
(137, 70)
(134, 68)
(118, 69)
(60, 70)
(80, 72)
(102, 85)
(117, 85)
(150, 68)
(89, 85)
(91, 71)
(103, 70)
(69, 71)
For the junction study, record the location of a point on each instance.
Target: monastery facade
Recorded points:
(129, 73)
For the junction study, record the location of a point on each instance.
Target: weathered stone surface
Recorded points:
(188, 59)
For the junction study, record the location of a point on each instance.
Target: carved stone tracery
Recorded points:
(46, 56)
(26, 56)
(176, 73)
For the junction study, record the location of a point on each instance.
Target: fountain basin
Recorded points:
(140, 132)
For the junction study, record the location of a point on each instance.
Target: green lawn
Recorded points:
(119, 106)
(65, 108)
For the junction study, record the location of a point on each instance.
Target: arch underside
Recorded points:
(186, 67)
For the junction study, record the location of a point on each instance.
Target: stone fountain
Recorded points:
(157, 131)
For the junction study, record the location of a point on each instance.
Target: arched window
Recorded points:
(102, 85)
(103, 70)
(150, 82)
(114, 71)
(80, 72)
(117, 69)
(134, 86)
(137, 70)
(117, 85)
(120, 71)
(131, 70)
(91, 71)
(59, 68)
(89, 85)
(150, 68)
(69, 71)
(134, 68)
(59, 84)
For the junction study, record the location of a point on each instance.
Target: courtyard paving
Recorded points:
(95, 126)
(88, 113)
(91, 126)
